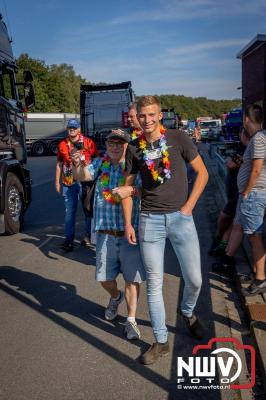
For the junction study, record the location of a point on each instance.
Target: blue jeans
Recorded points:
(115, 255)
(181, 231)
(251, 212)
(71, 196)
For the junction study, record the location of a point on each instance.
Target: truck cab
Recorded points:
(104, 107)
(15, 188)
(170, 119)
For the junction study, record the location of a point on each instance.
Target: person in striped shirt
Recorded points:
(251, 181)
(113, 252)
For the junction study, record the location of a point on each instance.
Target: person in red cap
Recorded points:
(65, 183)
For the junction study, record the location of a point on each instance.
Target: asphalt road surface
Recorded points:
(54, 341)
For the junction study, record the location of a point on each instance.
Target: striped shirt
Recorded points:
(256, 149)
(108, 216)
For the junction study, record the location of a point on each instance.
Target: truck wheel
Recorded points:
(38, 148)
(14, 204)
(53, 148)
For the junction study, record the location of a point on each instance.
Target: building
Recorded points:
(253, 57)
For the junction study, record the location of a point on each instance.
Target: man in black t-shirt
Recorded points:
(160, 156)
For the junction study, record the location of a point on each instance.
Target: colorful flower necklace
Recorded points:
(105, 180)
(135, 134)
(166, 173)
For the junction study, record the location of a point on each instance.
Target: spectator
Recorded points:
(226, 217)
(252, 195)
(113, 253)
(70, 188)
(166, 212)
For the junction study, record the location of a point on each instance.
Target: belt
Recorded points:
(112, 232)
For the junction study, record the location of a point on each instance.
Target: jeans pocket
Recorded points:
(184, 215)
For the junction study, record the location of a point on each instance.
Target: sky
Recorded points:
(182, 47)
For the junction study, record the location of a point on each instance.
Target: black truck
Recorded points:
(15, 183)
(104, 107)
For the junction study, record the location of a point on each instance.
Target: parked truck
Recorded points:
(170, 118)
(44, 131)
(233, 124)
(104, 107)
(15, 183)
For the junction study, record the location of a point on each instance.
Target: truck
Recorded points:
(170, 118)
(15, 182)
(45, 130)
(233, 124)
(210, 129)
(103, 108)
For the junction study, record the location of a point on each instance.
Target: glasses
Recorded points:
(115, 144)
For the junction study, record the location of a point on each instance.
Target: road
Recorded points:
(55, 343)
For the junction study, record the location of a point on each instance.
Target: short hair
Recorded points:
(145, 101)
(255, 113)
(132, 106)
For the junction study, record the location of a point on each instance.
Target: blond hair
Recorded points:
(145, 101)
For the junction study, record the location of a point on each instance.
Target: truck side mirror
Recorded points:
(27, 76)
(29, 94)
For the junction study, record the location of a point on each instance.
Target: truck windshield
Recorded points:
(208, 124)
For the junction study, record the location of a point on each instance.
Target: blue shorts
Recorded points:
(250, 212)
(115, 255)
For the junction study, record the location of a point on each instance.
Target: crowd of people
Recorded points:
(141, 198)
(245, 210)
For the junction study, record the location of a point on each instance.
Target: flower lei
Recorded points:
(105, 180)
(135, 134)
(165, 160)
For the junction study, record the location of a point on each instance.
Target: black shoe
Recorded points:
(247, 278)
(195, 326)
(215, 243)
(226, 266)
(67, 246)
(257, 287)
(156, 351)
(86, 241)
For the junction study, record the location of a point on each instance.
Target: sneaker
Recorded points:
(132, 330)
(67, 246)
(156, 351)
(247, 278)
(195, 326)
(225, 266)
(257, 287)
(112, 308)
(86, 241)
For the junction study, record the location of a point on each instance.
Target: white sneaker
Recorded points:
(132, 331)
(112, 308)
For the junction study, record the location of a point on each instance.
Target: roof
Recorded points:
(252, 45)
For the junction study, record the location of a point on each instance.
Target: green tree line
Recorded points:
(57, 89)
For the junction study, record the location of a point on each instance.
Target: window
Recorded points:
(7, 84)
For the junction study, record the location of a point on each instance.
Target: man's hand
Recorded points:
(76, 158)
(58, 187)
(123, 191)
(130, 234)
(244, 195)
(186, 210)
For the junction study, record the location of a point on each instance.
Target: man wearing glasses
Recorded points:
(113, 253)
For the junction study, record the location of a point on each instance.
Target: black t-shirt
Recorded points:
(171, 195)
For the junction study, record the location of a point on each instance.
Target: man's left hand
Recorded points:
(186, 210)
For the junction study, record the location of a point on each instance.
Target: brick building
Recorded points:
(253, 57)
